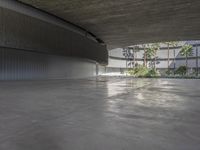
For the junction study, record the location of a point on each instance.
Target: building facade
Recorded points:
(118, 62)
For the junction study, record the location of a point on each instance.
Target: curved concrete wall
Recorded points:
(20, 65)
(44, 40)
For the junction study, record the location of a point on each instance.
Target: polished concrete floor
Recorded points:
(100, 114)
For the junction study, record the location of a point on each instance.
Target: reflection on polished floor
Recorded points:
(100, 114)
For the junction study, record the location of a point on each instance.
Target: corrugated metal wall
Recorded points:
(20, 65)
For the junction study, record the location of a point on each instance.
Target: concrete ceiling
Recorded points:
(121, 23)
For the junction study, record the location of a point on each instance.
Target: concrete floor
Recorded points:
(103, 114)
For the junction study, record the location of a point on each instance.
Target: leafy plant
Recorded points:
(153, 73)
(168, 72)
(181, 70)
(173, 44)
(139, 71)
(150, 51)
(186, 51)
(142, 71)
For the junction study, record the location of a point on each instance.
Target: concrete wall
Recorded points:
(20, 65)
(101, 69)
(36, 45)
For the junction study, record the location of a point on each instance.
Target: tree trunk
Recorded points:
(145, 58)
(186, 63)
(197, 61)
(134, 59)
(136, 56)
(155, 60)
(168, 57)
(174, 61)
(126, 67)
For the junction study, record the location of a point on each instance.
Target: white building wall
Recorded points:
(117, 60)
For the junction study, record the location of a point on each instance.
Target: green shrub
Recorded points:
(138, 71)
(142, 71)
(169, 72)
(152, 73)
(181, 70)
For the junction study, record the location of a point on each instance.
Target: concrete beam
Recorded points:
(27, 29)
(127, 22)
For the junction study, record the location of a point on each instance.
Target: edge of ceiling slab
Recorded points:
(79, 28)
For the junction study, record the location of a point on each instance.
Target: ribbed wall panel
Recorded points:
(20, 65)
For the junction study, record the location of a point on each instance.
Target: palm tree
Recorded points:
(155, 47)
(197, 59)
(173, 44)
(151, 52)
(168, 45)
(186, 51)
